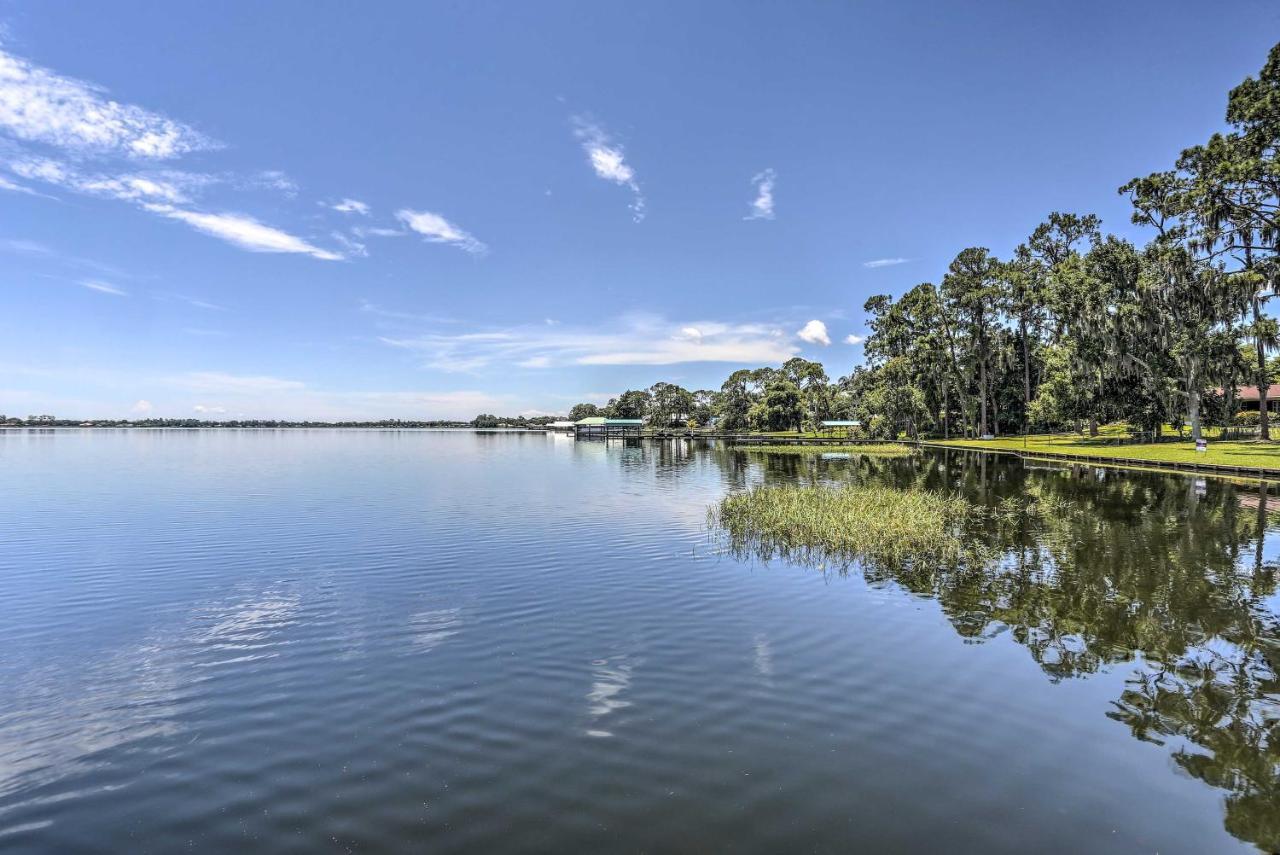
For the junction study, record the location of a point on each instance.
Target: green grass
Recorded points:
(841, 524)
(1250, 453)
(879, 449)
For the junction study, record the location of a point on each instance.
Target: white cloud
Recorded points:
(632, 341)
(200, 304)
(14, 187)
(274, 179)
(164, 185)
(160, 192)
(814, 332)
(38, 105)
(885, 262)
(24, 247)
(762, 205)
(377, 232)
(220, 382)
(535, 362)
(104, 288)
(244, 231)
(351, 206)
(854, 339)
(353, 247)
(436, 229)
(608, 160)
(142, 407)
(209, 410)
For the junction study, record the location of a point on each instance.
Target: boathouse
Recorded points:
(598, 427)
(830, 426)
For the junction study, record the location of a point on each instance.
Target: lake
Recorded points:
(379, 641)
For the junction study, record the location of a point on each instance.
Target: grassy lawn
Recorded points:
(880, 449)
(1224, 453)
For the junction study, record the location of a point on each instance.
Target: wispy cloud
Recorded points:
(15, 187)
(436, 229)
(353, 247)
(206, 409)
(195, 302)
(24, 247)
(814, 332)
(351, 206)
(638, 340)
(220, 382)
(608, 160)
(166, 185)
(854, 339)
(161, 193)
(535, 362)
(78, 119)
(762, 205)
(273, 179)
(884, 262)
(244, 231)
(104, 287)
(200, 304)
(39, 105)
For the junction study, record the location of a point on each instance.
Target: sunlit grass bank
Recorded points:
(879, 449)
(1221, 453)
(841, 524)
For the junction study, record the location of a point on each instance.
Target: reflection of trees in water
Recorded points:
(1095, 567)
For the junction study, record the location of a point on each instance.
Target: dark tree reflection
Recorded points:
(1089, 568)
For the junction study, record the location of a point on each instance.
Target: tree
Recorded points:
(780, 407)
(1227, 195)
(810, 378)
(1187, 307)
(894, 401)
(735, 402)
(667, 403)
(583, 411)
(1035, 274)
(631, 404)
(704, 406)
(971, 292)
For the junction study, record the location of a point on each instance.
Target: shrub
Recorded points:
(1248, 418)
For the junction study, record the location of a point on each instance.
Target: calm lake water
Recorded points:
(456, 642)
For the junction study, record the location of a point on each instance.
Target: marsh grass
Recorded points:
(877, 449)
(838, 525)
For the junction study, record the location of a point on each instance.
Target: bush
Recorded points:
(1248, 418)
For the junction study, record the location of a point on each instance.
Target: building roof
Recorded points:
(601, 420)
(1250, 393)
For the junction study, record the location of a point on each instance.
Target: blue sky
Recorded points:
(334, 210)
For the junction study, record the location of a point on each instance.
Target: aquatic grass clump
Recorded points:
(837, 525)
(878, 449)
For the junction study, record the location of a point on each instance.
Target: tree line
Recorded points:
(1074, 328)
